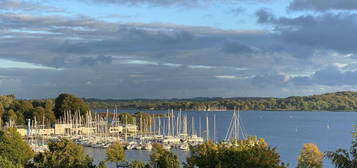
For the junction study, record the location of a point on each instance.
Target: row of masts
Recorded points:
(173, 124)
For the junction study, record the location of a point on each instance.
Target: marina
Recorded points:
(278, 128)
(175, 131)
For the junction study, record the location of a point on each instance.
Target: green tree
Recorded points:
(342, 158)
(2, 110)
(204, 155)
(69, 103)
(115, 153)
(237, 153)
(22, 108)
(13, 147)
(62, 154)
(50, 115)
(161, 158)
(39, 113)
(4, 163)
(137, 164)
(310, 157)
(9, 116)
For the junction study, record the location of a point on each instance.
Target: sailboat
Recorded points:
(234, 129)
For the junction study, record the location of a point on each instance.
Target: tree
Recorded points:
(161, 158)
(22, 108)
(137, 164)
(236, 153)
(9, 116)
(7, 164)
(204, 155)
(115, 153)
(2, 110)
(39, 113)
(342, 158)
(69, 103)
(310, 157)
(62, 154)
(13, 147)
(49, 114)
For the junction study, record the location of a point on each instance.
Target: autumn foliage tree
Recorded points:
(310, 157)
(237, 153)
(162, 158)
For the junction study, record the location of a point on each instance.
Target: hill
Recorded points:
(339, 101)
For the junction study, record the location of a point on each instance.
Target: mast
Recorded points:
(214, 128)
(126, 128)
(200, 127)
(192, 126)
(207, 128)
(168, 124)
(159, 131)
(172, 123)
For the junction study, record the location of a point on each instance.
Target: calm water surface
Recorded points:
(286, 130)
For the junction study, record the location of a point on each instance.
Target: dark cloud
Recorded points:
(90, 61)
(319, 32)
(329, 76)
(334, 77)
(236, 48)
(322, 5)
(92, 57)
(272, 79)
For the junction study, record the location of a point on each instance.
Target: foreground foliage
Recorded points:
(161, 158)
(13, 148)
(241, 154)
(115, 153)
(62, 154)
(310, 157)
(342, 158)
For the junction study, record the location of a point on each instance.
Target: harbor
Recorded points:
(175, 130)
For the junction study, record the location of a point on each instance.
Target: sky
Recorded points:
(129, 49)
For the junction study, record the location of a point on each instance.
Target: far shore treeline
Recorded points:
(48, 110)
(339, 101)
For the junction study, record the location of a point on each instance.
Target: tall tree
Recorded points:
(13, 147)
(69, 103)
(310, 157)
(62, 154)
(161, 158)
(9, 116)
(115, 153)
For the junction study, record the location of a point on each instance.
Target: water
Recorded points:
(286, 130)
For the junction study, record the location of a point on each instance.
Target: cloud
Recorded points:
(24, 6)
(94, 57)
(272, 79)
(323, 5)
(156, 3)
(236, 48)
(320, 32)
(90, 61)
